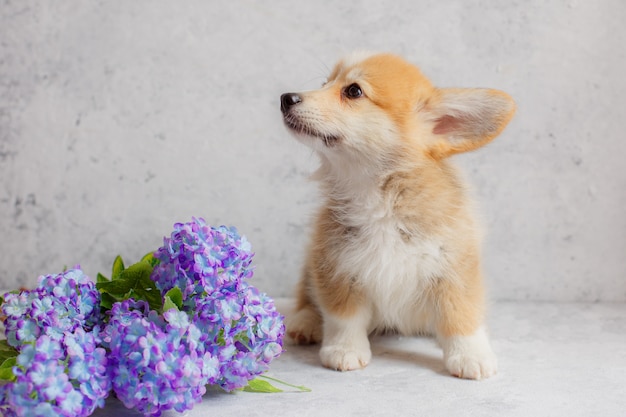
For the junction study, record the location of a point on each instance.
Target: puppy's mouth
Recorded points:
(298, 127)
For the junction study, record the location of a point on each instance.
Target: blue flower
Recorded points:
(156, 364)
(238, 325)
(60, 303)
(244, 343)
(60, 369)
(42, 307)
(225, 333)
(79, 370)
(26, 331)
(199, 258)
(177, 319)
(44, 384)
(72, 403)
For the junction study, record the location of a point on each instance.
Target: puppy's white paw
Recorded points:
(473, 365)
(470, 357)
(304, 326)
(346, 346)
(345, 358)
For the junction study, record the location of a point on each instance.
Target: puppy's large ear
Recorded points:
(466, 119)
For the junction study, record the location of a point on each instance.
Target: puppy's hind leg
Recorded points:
(304, 324)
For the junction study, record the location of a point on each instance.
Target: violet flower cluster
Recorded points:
(200, 260)
(223, 332)
(214, 329)
(239, 324)
(157, 362)
(60, 369)
(244, 331)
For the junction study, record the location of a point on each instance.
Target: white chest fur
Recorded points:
(392, 268)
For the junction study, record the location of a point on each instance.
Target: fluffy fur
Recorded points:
(395, 245)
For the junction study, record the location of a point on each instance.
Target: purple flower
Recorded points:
(246, 342)
(238, 325)
(198, 259)
(60, 303)
(60, 368)
(43, 384)
(156, 362)
(223, 332)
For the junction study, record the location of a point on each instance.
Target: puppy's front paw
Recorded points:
(304, 326)
(470, 357)
(473, 365)
(345, 358)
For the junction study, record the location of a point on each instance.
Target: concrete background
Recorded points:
(118, 119)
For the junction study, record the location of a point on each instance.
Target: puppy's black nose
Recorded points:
(287, 100)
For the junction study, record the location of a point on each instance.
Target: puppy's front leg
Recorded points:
(346, 346)
(469, 356)
(466, 348)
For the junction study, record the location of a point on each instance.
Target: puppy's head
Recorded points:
(381, 105)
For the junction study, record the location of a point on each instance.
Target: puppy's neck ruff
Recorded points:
(348, 174)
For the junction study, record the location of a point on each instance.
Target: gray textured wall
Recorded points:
(118, 119)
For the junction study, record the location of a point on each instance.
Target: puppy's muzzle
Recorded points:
(297, 125)
(289, 100)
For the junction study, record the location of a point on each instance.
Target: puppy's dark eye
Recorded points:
(353, 91)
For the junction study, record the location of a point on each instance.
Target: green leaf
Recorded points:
(135, 278)
(168, 304)
(260, 385)
(117, 288)
(118, 267)
(149, 257)
(173, 299)
(126, 280)
(8, 357)
(106, 301)
(101, 278)
(6, 350)
(149, 292)
(6, 369)
(176, 296)
(300, 388)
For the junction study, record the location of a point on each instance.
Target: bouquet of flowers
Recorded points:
(155, 334)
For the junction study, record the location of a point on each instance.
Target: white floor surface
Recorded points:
(555, 360)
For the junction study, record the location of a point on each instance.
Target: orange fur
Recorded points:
(395, 244)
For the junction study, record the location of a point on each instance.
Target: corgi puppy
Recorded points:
(395, 245)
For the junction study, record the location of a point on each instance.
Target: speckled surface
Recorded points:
(118, 119)
(555, 360)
